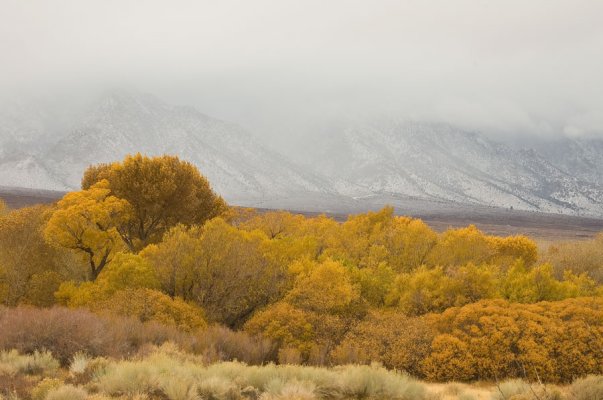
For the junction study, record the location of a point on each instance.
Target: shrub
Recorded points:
(38, 363)
(178, 376)
(67, 392)
(44, 387)
(218, 343)
(588, 388)
(65, 332)
(510, 388)
(79, 363)
(152, 305)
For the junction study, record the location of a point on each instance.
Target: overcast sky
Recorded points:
(281, 67)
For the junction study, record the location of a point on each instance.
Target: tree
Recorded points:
(152, 305)
(87, 222)
(524, 285)
(29, 266)
(275, 224)
(425, 290)
(408, 242)
(326, 288)
(176, 261)
(3, 208)
(461, 246)
(126, 271)
(234, 275)
(284, 324)
(512, 248)
(162, 191)
(449, 360)
(389, 337)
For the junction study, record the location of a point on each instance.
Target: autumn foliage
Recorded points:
(148, 239)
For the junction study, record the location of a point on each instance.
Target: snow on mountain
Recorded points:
(440, 162)
(419, 162)
(121, 123)
(580, 157)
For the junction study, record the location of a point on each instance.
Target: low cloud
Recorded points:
(281, 67)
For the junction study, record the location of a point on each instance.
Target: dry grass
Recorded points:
(167, 373)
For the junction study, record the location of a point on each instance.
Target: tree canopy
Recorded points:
(161, 191)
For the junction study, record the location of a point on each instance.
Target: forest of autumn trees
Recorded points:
(148, 238)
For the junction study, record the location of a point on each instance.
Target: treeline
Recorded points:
(147, 238)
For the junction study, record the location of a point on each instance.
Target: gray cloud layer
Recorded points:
(280, 66)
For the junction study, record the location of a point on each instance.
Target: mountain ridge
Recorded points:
(429, 162)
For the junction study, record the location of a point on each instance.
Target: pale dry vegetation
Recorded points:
(166, 372)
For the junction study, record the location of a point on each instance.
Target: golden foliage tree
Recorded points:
(390, 337)
(461, 246)
(87, 222)
(285, 324)
(448, 360)
(234, 275)
(31, 269)
(126, 271)
(325, 287)
(162, 192)
(152, 305)
(3, 208)
(176, 261)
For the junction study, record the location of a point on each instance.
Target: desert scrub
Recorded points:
(79, 363)
(510, 388)
(178, 377)
(67, 392)
(588, 388)
(38, 363)
(517, 389)
(44, 387)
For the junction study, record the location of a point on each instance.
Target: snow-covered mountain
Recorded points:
(121, 123)
(439, 162)
(580, 157)
(422, 162)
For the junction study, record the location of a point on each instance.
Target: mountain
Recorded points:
(580, 157)
(120, 123)
(353, 167)
(438, 162)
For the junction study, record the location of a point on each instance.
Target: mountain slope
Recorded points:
(440, 162)
(238, 167)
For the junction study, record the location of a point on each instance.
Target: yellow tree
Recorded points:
(86, 222)
(126, 271)
(356, 241)
(462, 246)
(31, 269)
(275, 224)
(326, 287)
(176, 260)
(509, 249)
(408, 242)
(162, 191)
(234, 276)
(3, 208)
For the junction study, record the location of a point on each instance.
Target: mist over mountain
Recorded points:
(122, 122)
(45, 148)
